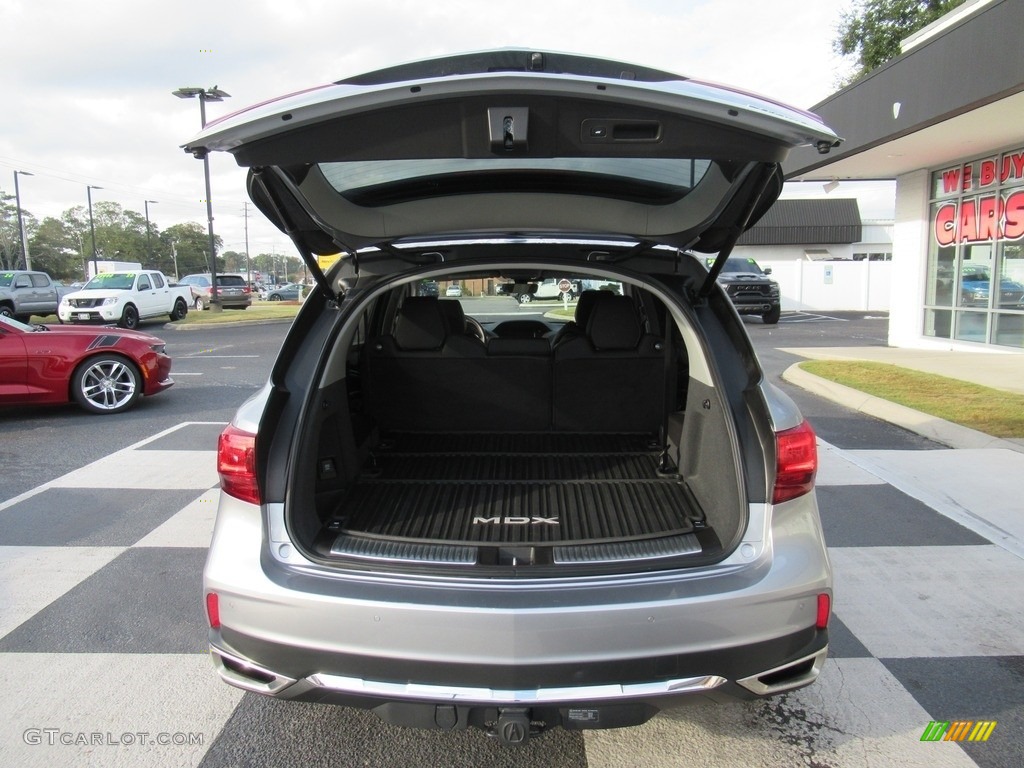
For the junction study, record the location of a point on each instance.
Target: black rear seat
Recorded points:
(611, 378)
(427, 377)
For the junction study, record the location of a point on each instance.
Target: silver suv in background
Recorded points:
(457, 522)
(233, 291)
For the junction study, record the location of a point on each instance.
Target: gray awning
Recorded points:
(807, 222)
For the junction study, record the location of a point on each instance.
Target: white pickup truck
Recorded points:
(125, 298)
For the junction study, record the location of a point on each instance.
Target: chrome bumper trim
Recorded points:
(416, 691)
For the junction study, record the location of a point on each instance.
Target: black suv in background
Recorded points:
(750, 289)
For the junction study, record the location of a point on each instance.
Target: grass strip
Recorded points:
(992, 411)
(270, 310)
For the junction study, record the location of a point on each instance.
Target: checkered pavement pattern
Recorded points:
(103, 639)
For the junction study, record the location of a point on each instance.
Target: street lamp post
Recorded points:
(149, 246)
(92, 230)
(21, 226)
(205, 95)
(174, 255)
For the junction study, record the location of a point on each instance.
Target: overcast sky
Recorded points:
(87, 86)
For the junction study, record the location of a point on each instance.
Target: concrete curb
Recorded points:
(939, 430)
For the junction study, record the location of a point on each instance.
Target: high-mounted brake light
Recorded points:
(796, 453)
(236, 464)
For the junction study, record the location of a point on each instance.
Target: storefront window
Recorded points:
(938, 323)
(975, 257)
(971, 326)
(1009, 330)
(975, 276)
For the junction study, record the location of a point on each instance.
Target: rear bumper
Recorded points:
(556, 702)
(645, 643)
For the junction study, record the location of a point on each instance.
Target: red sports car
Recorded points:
(102, 369)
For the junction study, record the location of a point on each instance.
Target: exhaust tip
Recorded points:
(796, 674)
(246, 675)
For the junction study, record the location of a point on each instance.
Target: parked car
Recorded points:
(24, 293)
(551, 288)
(512, 531)
(125, 298)
(751, 289)
(453, 291)
(286, 292)
(427, 288)
(233, 291)
(104, 370)
(976, 286)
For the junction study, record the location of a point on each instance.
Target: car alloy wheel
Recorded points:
(180, 310)
(106, 384)
(199, 304)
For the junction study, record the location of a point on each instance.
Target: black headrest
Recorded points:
(614, 324)
(585, 305)
(420, 325)
(454, 315)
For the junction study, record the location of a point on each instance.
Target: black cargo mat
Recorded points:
(536, 489)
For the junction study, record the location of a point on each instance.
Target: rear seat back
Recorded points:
(611, 379)
(424, 377)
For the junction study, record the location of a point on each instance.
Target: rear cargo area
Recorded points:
(515, 499)
(575, 453)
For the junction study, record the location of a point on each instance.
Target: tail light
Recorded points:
(236, 464)
(213, 610)
(796, 453)
(824, 611)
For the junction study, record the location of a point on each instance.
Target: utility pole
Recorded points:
(22, 238)
(149, 246)
(92, 229)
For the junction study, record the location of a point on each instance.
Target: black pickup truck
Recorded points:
(750, 289)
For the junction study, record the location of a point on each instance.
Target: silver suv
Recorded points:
(233, 291)
(458, 519)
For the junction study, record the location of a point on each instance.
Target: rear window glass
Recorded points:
(388, 181)
(231, 280)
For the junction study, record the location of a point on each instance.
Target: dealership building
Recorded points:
(945, 119)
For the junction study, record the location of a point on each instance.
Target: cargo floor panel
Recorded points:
(546, 490)
(526, 513)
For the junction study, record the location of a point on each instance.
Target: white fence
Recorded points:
(833, 285)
